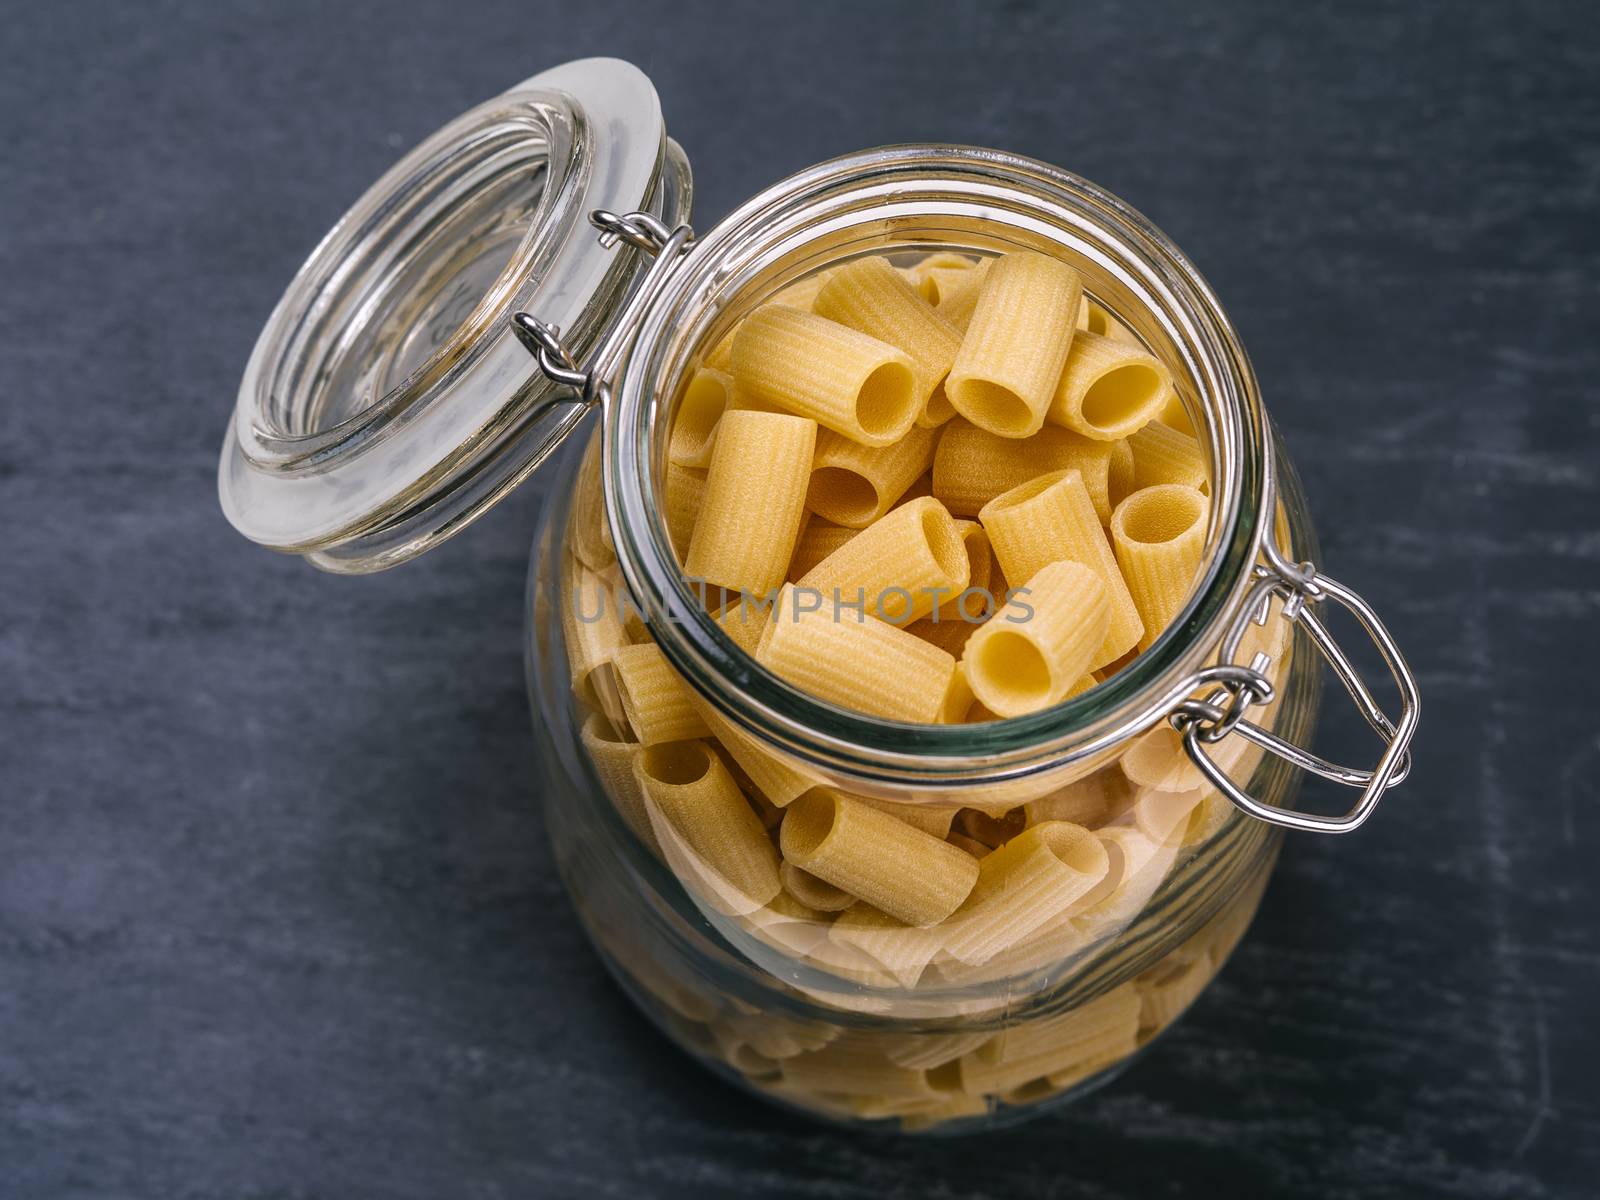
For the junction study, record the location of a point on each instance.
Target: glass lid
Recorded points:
(388, 401)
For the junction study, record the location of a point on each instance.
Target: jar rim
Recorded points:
(896, 194)
(387, 401)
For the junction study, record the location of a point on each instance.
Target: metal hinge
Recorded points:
(644, 231)
(1206, 720)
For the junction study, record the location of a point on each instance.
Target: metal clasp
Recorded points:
(1300, 588)
(644, 231)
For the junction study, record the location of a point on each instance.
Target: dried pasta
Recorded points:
(1159, 533)
(839, 377)
(708, 394)
(657, 702)
(1011, 357)
(1161, 454)
(898, 869)
(854, 485)
(898, 568)
(865, 664)
(705, 828)
(1051, 519)
(871, 296)
(972, 466)
(1108, 389)
(754, 500)
(1035, 650)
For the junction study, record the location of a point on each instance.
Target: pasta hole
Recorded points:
(995, 408)
(806, 825)
(677, 763)
(884, 404)
(704, 401)
(1160, 514)
(843, 496)
(1075, 847)
(945, 541)
(1124, 395)
(1015, 664)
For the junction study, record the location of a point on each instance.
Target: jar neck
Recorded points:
(927, 197)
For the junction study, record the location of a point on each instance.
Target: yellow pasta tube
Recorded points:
(958, 698)
(1174, 415)
(1035, 650)
(903, 950)
(1012, 354)
(893, 866)
(1159, 815)
(813, 892)
(613, 760)
(706, 830)
(854, 485)
(1163, 455)
(1093, 318)
(708, 394)
(1159, 534)
(1089, 801)
(873, 297)
(591, 532)
(1119, 477)
(850, 1068)
(926, 817)
(684, 492)
(896, 569)
(926, 1051)
(1052, 519)
(1167, 992)
(1023, 886)
(654, 697)
(754, 500)
(1041, 1047)
(591, 626)
(972, 466)
(952, 288)
(817, 540)
(779, 780)
(867, 664)
(1108, 388)
(841, 378)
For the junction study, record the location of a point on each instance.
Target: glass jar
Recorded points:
(391, 399)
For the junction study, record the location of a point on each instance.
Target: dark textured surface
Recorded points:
(277, 917)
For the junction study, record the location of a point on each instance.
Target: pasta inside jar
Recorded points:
(939, 488)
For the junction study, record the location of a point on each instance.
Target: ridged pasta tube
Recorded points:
(1163, 455)
(1015, 346)
(841, 378)
(754, 501)
(866, 664)
(1051, 519)
(972, 466)
(778, 779)
(684, 492)
(1023, 886)
(708, 394)
(1035, 1049)
(818, 539)
(1089, 801)
(899, 567)
(707, 832)
(1159, 534)
(613, 760)
(952, 284)
(1037, 649)
(903, 950)
(872, 296)
(1109, 388)
(813, 892)
(895, 867)
(591, 532)
(854, 485)
(654, 696)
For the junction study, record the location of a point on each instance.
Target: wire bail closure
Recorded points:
(1300, 588)
(643, 231)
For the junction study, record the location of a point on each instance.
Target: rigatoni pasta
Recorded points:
(1159, 533)
(754, 500)
(1036, 649)
(839, 377)
(854, 485)
(1011, 356)
(1108, 389)
(899, 568)
(972, 466)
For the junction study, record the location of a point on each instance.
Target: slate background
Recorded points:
(277, 916)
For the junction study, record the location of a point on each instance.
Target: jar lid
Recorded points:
(388, 401)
